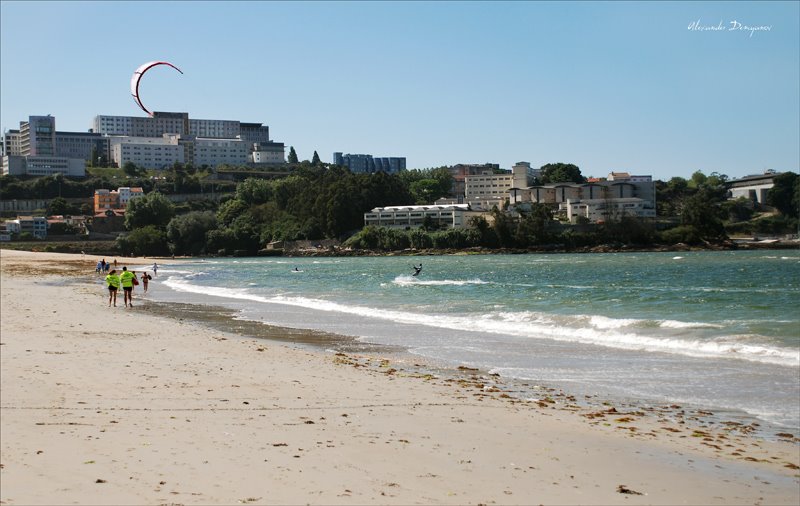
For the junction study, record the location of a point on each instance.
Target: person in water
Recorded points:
(417, 270)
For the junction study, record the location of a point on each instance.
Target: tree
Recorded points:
(315, 159)
(130, 169)
(785, 194)
(698, 179)
(702, 212)
(561, 173)
(152, 209)
(187, 232)
(230, 210)
(58, 206)
(145, 241)
(292, 155)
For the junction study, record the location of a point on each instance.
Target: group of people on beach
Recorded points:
(127, 280)
(103, 266)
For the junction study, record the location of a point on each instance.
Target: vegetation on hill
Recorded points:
(314, 201)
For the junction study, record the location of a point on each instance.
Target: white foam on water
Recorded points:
(601, 331)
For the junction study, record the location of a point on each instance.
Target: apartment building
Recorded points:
(367, 164)
(118, 199)
(35, 225)
(490, 185)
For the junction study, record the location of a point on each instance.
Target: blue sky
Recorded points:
(607, 86)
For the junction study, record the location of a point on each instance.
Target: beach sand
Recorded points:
(112, 405)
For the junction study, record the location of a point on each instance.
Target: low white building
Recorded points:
(450, 215)
(753, 188)
(600, 210)
(43, 166)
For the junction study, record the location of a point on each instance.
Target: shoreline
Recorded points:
(365, 428)
(367, 354)
(733, 244)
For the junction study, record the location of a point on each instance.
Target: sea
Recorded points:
(713, 330)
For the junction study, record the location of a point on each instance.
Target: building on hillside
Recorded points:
(204, 141)
(600, 210)
(621, 194)
(77, 222)
(460, 171)
(118, 199)
(406, 217)
(147, 152)
(367, 164)
(753, 188)
(37, 149)
(267, 154)
(38, 137)
(490, 185)
(107, 222)
(35, 225)
(149, 142)
(531, 173)
(213, 151)
(15, 165)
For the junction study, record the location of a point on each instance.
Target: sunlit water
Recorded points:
(716, 330)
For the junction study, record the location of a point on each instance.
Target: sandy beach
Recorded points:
(114, 405)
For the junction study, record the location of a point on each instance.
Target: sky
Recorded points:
(651, 88)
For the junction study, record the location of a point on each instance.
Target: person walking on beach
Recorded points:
(126, 280)
(145, 279)
(155, 269)
(112, 280)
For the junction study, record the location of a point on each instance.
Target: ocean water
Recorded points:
(713, 330)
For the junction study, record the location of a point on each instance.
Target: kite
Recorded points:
(137, 76)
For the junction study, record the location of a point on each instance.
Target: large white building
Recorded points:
(620, 194)
(495, 186)
(147, 152)
(15, 165)
(206, 141)
(150, 142)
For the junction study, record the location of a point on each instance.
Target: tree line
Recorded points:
(317, 201)
(314, 200)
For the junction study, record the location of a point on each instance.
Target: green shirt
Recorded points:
(112, 280)
(126, 278)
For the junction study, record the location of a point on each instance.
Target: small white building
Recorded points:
(267, 154)
(600, 210)
(753, 188)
